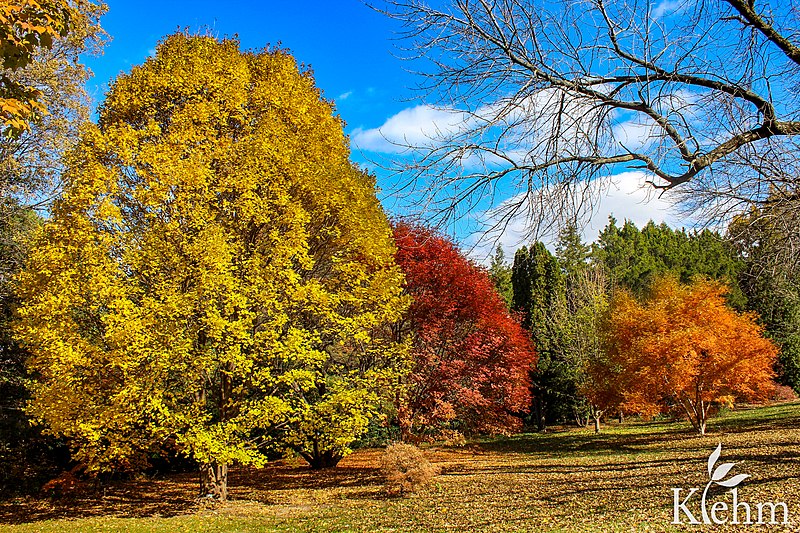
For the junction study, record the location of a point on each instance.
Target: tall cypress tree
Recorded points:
(539, 294)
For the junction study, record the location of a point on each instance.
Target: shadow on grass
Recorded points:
(553, 481)
(178, 494)
(122, 499)
(567, 443)
(632, 437)
(279, 476)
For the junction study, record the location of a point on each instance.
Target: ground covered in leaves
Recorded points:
(568, 480)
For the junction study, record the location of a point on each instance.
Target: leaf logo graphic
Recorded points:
(722, 470)
(717, 475)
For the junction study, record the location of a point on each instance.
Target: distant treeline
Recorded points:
(555, 295)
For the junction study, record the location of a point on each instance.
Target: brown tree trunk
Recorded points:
(406, 424)
(320, 459)
(621, 417)
(214, 481)
(539, 413)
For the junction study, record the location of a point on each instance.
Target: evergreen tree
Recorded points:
(539, 295)
(771, 281)
(572, 253)
(633, 257)
(500, 273)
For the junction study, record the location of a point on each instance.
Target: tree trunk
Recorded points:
(621, 417)
(406, 423)
(322, 460)
(214, 481)
(539, 414)
(597, 424)
(319, 459)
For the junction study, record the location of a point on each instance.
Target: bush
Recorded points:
(406, 469)
(784, 393)
(450, 437)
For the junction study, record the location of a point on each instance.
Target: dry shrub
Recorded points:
(406, 469)
(783, 393)
(66, 484)
(451, 437)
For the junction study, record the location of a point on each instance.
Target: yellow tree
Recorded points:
(217, 275)
(685, 348)
(27, 29)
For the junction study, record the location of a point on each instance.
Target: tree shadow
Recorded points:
(121, 499)
(178, 494)
(279, 476)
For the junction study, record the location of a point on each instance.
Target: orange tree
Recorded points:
(683, 348)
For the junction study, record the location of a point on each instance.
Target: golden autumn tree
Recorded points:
(28, 28)
(216, 277)
(685, 348)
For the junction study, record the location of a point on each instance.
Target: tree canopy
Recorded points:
(471, 359)
(216, 276)
(42, 60)
(634, 257)
(766, 241)
(28, 30)
(683, 347)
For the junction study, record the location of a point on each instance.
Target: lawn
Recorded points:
(567, 480)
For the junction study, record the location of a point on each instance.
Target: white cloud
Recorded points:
(630, 198)
(521, 128)
(625, 196)
(345, 96)
(416, 126)
(668, 7)
(636, 134)
(524, 131)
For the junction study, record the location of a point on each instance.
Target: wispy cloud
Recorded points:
(345, 96)
(668, 7)
(416, 126)
(519, 125)
(624, 196)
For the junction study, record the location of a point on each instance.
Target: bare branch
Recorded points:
(552, 95)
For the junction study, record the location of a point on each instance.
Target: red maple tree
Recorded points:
(471, 358)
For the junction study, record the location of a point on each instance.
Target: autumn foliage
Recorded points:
(684, 348)
(406, 468)
(27, 29)
(471, 358)
(214, 274)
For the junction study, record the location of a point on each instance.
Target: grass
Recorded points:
(568, 480)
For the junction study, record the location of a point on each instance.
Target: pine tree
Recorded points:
(500, 273)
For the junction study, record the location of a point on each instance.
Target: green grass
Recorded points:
(569, 480)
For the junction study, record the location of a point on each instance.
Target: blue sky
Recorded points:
(353, 52)
(349, 46)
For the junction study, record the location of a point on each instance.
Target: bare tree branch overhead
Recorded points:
(699, 96)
